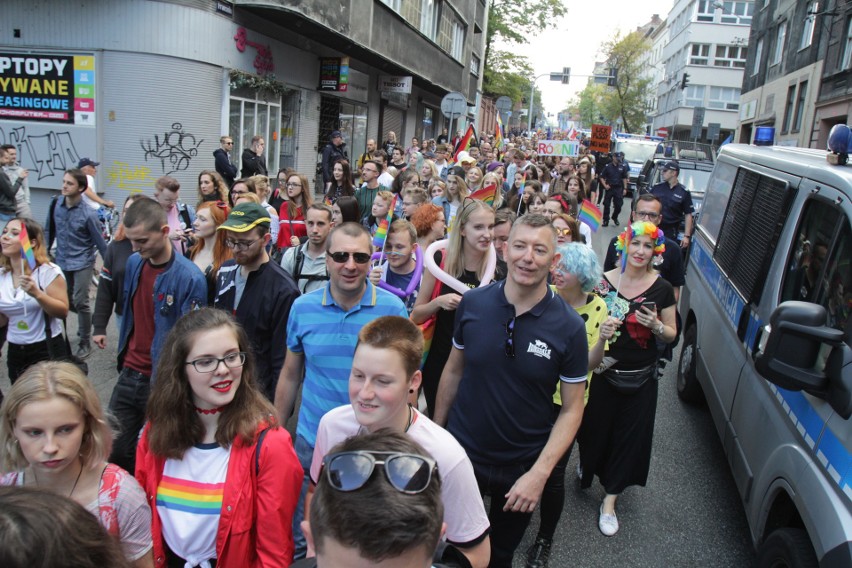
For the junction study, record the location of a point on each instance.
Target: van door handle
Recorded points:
(742, 326)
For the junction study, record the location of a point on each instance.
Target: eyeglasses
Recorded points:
(407, 473)
(210, 364)
(343, 257)
(563, 232)
(294, 184)
(647, 215)
(370, 171)
(510, 338)
(240, 245)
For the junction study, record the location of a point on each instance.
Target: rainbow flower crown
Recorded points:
(642, 228)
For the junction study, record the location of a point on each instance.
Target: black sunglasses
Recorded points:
(510, 338)
(407, 473)
(358, 257)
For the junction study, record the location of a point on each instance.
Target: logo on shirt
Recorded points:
(539, 348)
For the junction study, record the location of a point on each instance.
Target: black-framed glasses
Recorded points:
(210, 364)
(240, 245)
(650, 215)
(343, 257)
(407, 473)
(294, 184)
(510, 338)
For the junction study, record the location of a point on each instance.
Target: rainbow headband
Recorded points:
(642, 228)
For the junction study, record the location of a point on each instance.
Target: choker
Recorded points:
(210, 410)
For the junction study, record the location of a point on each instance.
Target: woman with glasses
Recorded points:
(292, 230)
(209, 251)
(341, 183)
(617, 431)
(211, 187)
(221, 473)
(465, 259)
(564, 204)
(567, 230)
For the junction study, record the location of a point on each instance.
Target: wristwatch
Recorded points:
(659, 330)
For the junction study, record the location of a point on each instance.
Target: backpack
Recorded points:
(297, 269)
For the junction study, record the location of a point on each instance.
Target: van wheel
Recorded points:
(688, 388)
(787, 548)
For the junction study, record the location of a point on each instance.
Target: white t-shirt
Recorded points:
(385, 179)
(189, 501)
(88, 200)
(586, 232)
(26, 318)
(464, 511)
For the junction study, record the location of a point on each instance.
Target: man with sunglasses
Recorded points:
(222, 155)
(514, 342)
(322, 331)
(259, 293)
(377, 504)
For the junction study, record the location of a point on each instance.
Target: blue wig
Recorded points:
(581, 261)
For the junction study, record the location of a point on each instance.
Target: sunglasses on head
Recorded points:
(407, 473)
(358, 257)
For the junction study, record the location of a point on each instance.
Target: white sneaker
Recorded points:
(608, 523)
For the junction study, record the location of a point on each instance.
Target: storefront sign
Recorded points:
(557, 148)
(334, 74)
(395, 84)
(600, 138)
(225, 8)
(48, 88)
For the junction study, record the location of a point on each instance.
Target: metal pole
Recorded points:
(532, 94)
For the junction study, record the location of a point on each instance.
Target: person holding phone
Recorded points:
(618, 425)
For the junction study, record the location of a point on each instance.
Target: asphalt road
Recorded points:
(688, 515)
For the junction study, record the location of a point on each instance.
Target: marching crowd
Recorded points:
(435, 310)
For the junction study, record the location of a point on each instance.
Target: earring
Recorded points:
(411, 391)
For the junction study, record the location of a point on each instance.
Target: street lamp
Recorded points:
(564, 77)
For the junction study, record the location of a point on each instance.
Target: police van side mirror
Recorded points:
(642, 181)
(793, 356)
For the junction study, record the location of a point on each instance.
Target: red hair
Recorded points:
(218, 212)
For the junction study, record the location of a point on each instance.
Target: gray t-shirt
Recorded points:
(240, 282)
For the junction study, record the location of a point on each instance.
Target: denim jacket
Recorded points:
(178, 290)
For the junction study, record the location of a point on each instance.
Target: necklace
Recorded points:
(210, 410)
(76, 481)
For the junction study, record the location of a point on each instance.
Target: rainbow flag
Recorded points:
(487, 194)
(382, 232)
(498, 136)
(27, 247)
(465, 142)
(521, 193)
(628, 236)
(590, 215)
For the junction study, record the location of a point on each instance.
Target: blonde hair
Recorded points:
(454, 264)
(261, 186)
(44, 381)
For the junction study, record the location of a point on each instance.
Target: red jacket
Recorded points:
(290, 226)
(271, 495)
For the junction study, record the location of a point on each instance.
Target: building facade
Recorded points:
(147, 87)
(834, 101)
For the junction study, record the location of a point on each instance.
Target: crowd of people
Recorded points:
(435, 311)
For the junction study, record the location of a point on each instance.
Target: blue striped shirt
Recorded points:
(326, 334)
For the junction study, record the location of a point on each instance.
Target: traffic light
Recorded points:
(684, 82)
(566, 75)
(613, 77)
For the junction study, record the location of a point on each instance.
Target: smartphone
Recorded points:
(652, 306)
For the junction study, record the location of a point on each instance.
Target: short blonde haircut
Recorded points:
(44, 381)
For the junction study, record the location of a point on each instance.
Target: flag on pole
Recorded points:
(590, 215)
(487, 194)
(382, 231)
(26, 247)
(628, 236)
(465, 142)
(521, 193)
(498, 138)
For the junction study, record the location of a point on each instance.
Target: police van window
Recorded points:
(716, 200)
(818, 269)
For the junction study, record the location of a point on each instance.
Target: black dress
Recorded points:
(617, 431)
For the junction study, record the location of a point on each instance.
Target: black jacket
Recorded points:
(263, 312)
(331, 154)
(225, 167)
(253, 165)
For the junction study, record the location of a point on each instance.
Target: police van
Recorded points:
(766, 342)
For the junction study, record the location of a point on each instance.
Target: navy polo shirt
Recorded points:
(677, 203)
(615, 175)
(502, 414)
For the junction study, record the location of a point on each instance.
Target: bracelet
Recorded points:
(659, 330)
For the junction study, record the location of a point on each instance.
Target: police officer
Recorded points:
(677, 204)
(615, 178)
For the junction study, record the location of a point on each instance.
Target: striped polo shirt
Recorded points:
(327, 335)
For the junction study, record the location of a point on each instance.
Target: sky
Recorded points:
(575, 42)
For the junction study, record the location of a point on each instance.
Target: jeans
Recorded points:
(20, 357)
(127, 407)
(616, 196)
(305, 453)
(79, 283)
(507, 528)
(5, 218)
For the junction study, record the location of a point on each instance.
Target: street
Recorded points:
(688, 515)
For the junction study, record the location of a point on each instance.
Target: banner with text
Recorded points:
(48, 88)
(600, 138)
(557, 148)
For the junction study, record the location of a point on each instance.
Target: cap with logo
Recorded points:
(245, 217)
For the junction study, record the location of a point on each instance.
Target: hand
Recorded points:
(108, 203)
(28, 285)
(294, 241)
(624, 193)
(524, 495)
(100, 341)
(376, 275)
(647, 317)
(23, 174)
(609, 327)
(448, 301)
(684, 242)
(177, 235)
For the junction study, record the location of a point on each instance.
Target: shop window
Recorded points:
(254, 113)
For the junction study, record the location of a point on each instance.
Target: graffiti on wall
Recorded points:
(47, 153)
(174, 150)
(122, 175)
(263, 61)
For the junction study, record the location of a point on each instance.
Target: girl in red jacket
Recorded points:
(291, 218)
(221, 476)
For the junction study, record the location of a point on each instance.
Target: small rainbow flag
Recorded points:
(487, 194)
(26, 247)
(590, 215)
(521, 193)
(468, 138)
(382, 231)
(498, 137)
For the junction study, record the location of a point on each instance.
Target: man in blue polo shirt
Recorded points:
(322, 332)
(514, 341)
(677, 204)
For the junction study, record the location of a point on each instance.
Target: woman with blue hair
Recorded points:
(574, 277)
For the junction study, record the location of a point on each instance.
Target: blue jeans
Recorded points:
(305, 453)
(5, 218)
